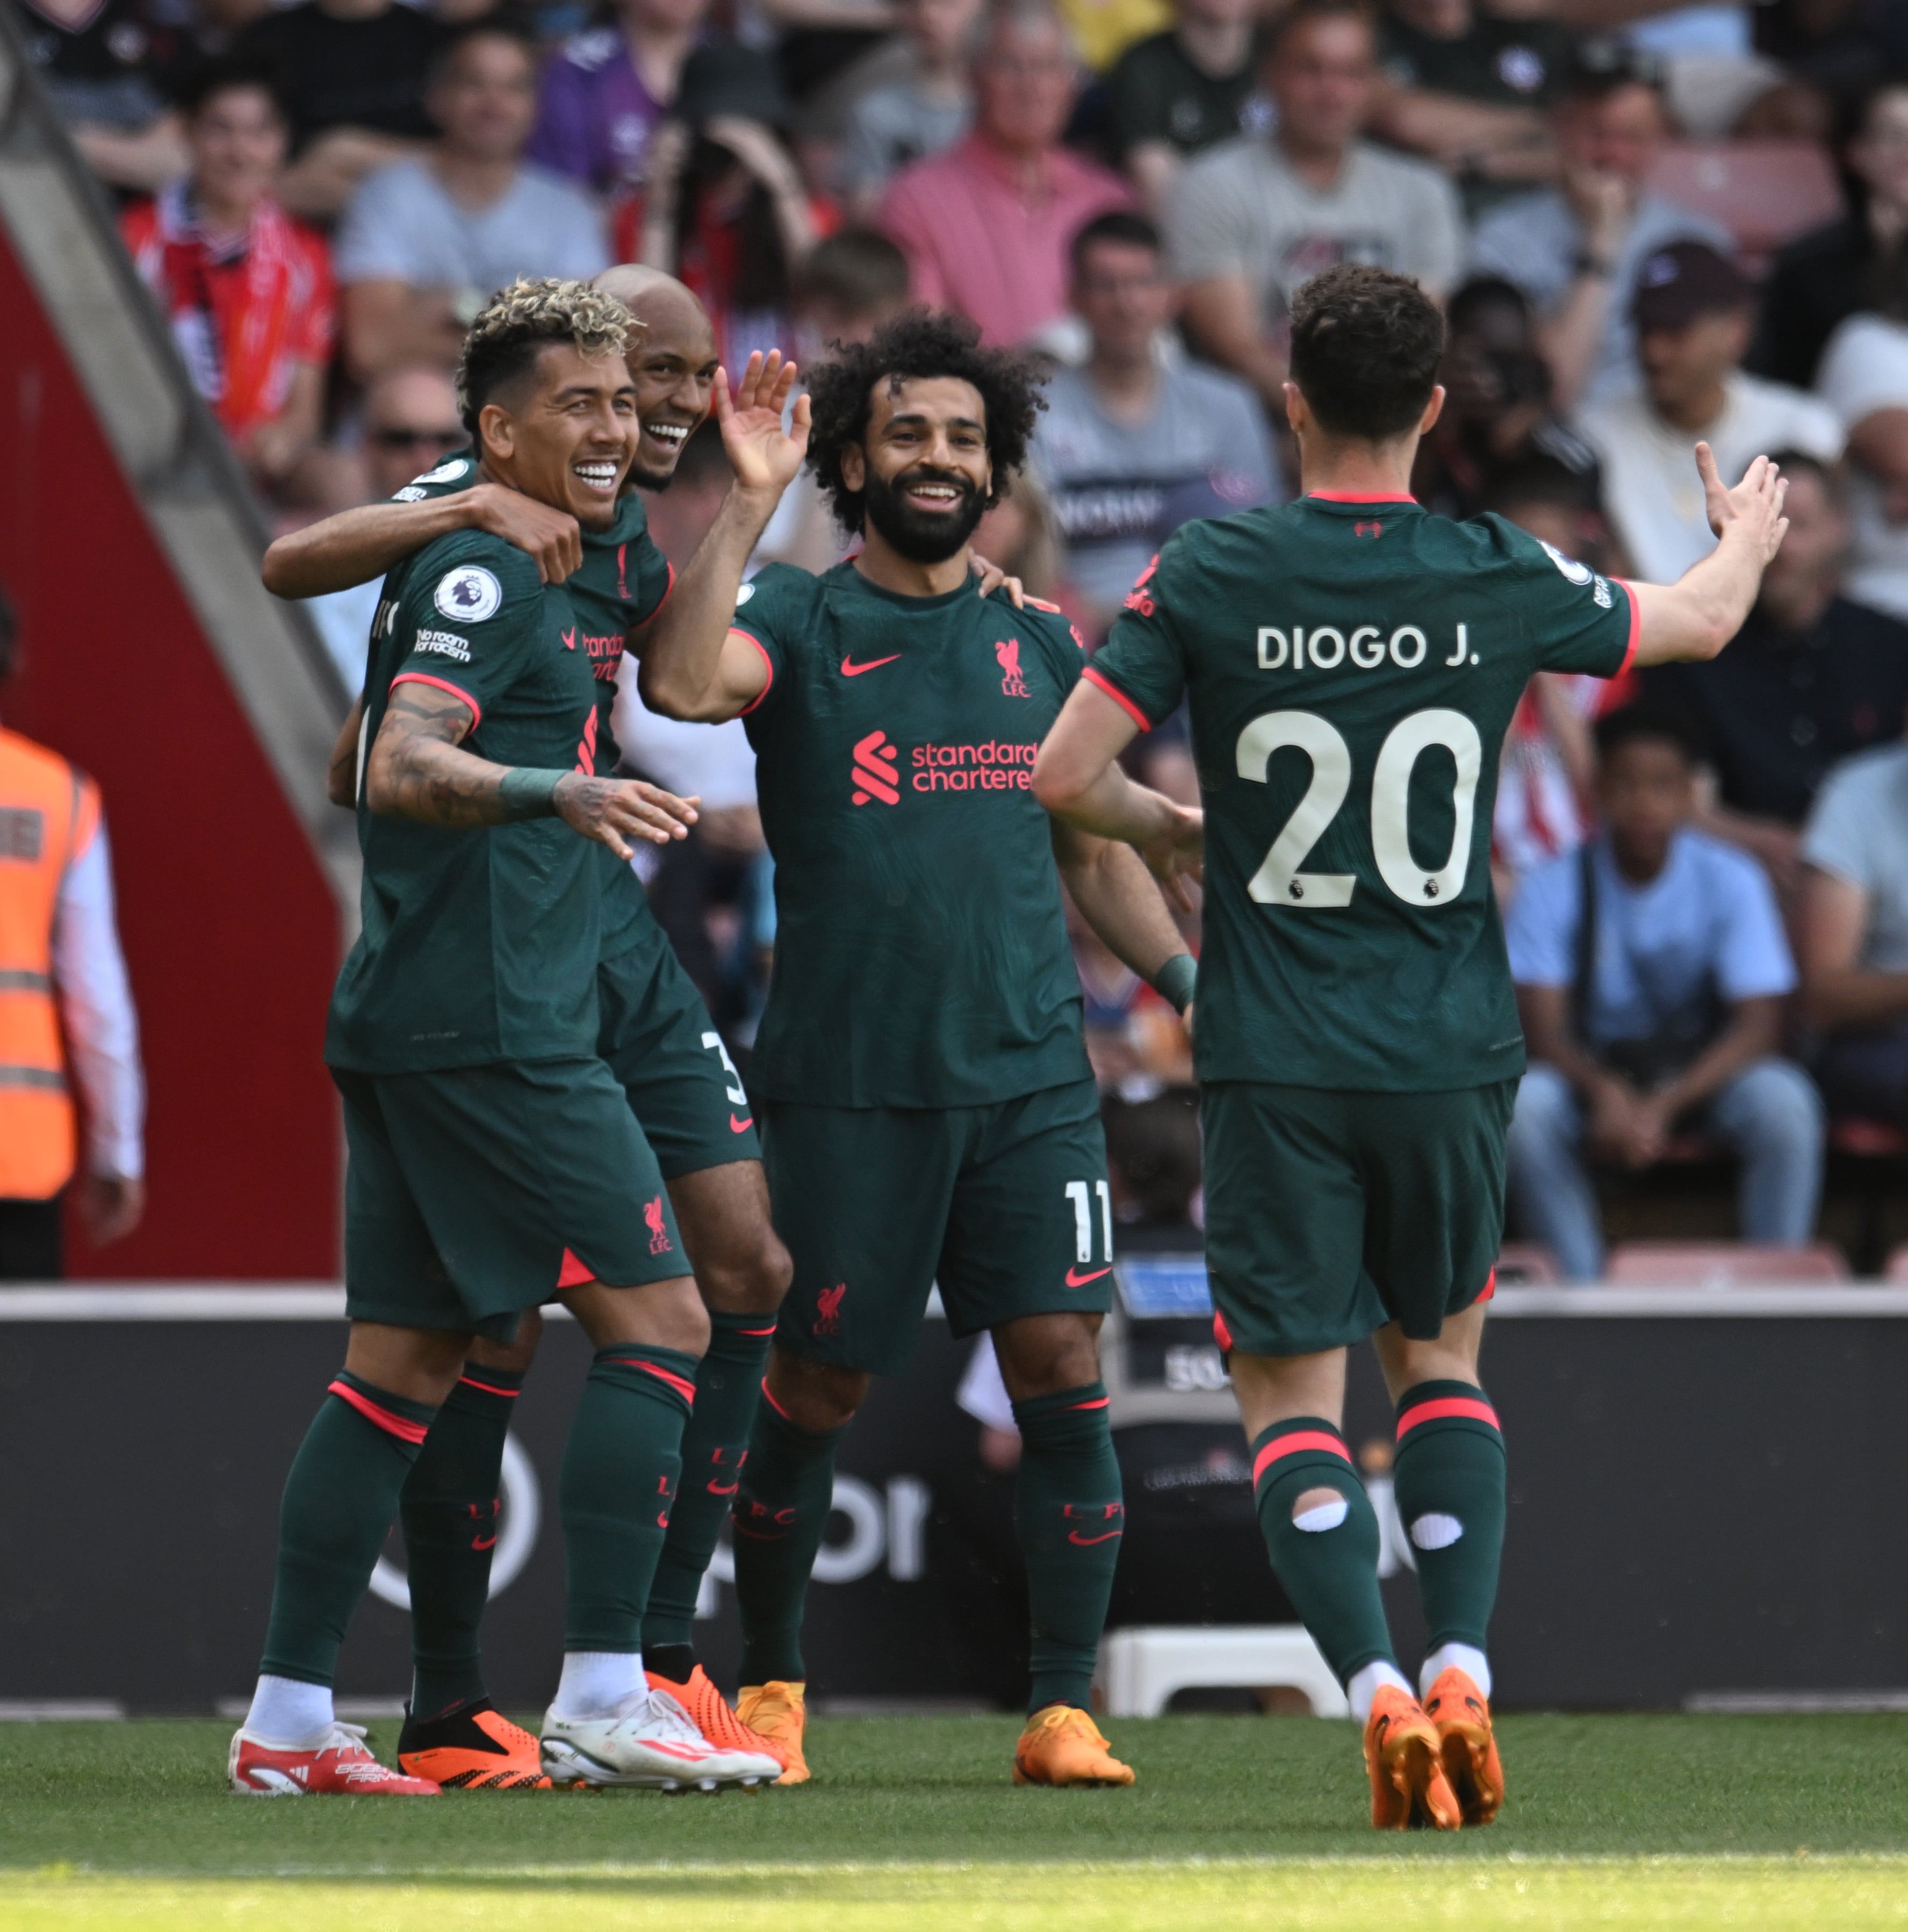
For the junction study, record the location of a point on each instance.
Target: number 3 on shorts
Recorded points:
(735, 1090)
(1278, 881)
(1077, 1192)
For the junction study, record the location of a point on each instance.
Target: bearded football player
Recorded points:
(927, 1108)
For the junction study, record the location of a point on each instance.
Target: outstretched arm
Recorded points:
(356, 545)
(1697, 615)
(417, 770)
(1119, 900)
(1079, 778)
(693, 665)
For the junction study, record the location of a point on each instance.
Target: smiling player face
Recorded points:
(672, 361)
(565, 433)
(923, 465)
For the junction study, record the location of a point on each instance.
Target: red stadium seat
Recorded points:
(1527, 1264)
(1723, 1265)
(1868, 1140)
(1897, 1267)
(1765, 192)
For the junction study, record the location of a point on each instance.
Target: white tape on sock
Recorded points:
(1435, 1531)
(1323, 1515)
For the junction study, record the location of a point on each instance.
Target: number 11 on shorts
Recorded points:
(1077, 1191)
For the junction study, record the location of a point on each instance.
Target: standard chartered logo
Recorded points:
(1365, 646)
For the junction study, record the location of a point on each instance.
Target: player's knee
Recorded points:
(750, 1278)
(1043, 1355)
(1319, 1510)
(816, 1396)
(515, 1356)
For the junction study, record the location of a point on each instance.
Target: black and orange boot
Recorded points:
(475, 1747)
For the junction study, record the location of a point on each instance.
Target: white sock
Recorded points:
(1366, 1684)
(1471, 1661)
(594, 1682)
(285, 1711)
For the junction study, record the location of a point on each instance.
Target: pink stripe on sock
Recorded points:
(388, 1420)
(1290, 1445)
(1444, 1408)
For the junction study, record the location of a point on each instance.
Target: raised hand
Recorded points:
(1754, 507)
(765, 457)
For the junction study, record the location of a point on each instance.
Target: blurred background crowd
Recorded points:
(1651, 223)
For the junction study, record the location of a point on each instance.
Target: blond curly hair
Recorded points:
(520, 320)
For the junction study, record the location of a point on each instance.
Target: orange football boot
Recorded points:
(477, 1748)
(1403, 1757)
(709, 1711)
(1467, 1743)
(1062, 1745)
(776, 1714)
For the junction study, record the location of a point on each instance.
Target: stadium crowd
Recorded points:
(1705, 868)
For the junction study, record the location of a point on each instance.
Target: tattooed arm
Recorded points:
(417, 770)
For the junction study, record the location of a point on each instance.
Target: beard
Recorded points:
(654, 481)
(921, 536)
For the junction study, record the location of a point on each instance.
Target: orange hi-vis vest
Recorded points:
(50, 814)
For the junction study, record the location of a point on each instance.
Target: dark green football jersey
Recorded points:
(478, 944)
(921, 951)
(621, 582)
(1351, 668)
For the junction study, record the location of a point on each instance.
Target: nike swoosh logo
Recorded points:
(1075, 1279)
(740, 1126)
(1087, 1542)
(873, 663)
(483, 1542)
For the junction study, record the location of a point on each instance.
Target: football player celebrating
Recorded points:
(928, 1108)
(656, 1034)
(1351, 664)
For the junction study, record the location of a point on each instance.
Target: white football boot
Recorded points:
(649, 1740)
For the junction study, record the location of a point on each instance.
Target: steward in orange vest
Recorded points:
(65, 1011)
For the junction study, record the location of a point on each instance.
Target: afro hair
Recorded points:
(919, 345)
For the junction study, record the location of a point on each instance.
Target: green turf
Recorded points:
(1612, 1820)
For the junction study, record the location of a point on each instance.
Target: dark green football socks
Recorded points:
(728, 1382)
(618, 1485)
(1070, 1517)
(1327, 1561)
(782, 1512)
(338, 1502)
(449, 1511)
(1449, 1479)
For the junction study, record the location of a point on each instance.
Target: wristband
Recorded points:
(1177, 980)
(528, 792)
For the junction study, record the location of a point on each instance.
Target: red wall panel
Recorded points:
(230, 930)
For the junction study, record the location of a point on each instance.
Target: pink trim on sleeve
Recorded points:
(1636, 627)
(442, 684)
(1101, 682)
(768, 665)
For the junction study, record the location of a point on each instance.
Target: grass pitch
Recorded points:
(1625, 1821)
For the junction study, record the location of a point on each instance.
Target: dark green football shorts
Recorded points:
(659, 1042)
(476, 1192)
(1329, 1214)
(1006, 1206)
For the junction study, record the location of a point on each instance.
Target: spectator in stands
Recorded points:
(1823, 277)
(1576, 249)
(919, 112)
(851, 283)
(410, 424)
(1498, 414)
(1693, 311)
(354, 73)
(1154, 1163)
(1467, 89)
(1651, 969)
(1180, 93)
(606, 89)
(986, 225)
(427, 242)
(723, 207)
(1811, 678)
(1128, 449)
(1854, 940)
(1547, 773)
(1864, 379)
(248, 289)
(107, 68)
(1253, 221)
(1838, 46)
(68, 1018)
